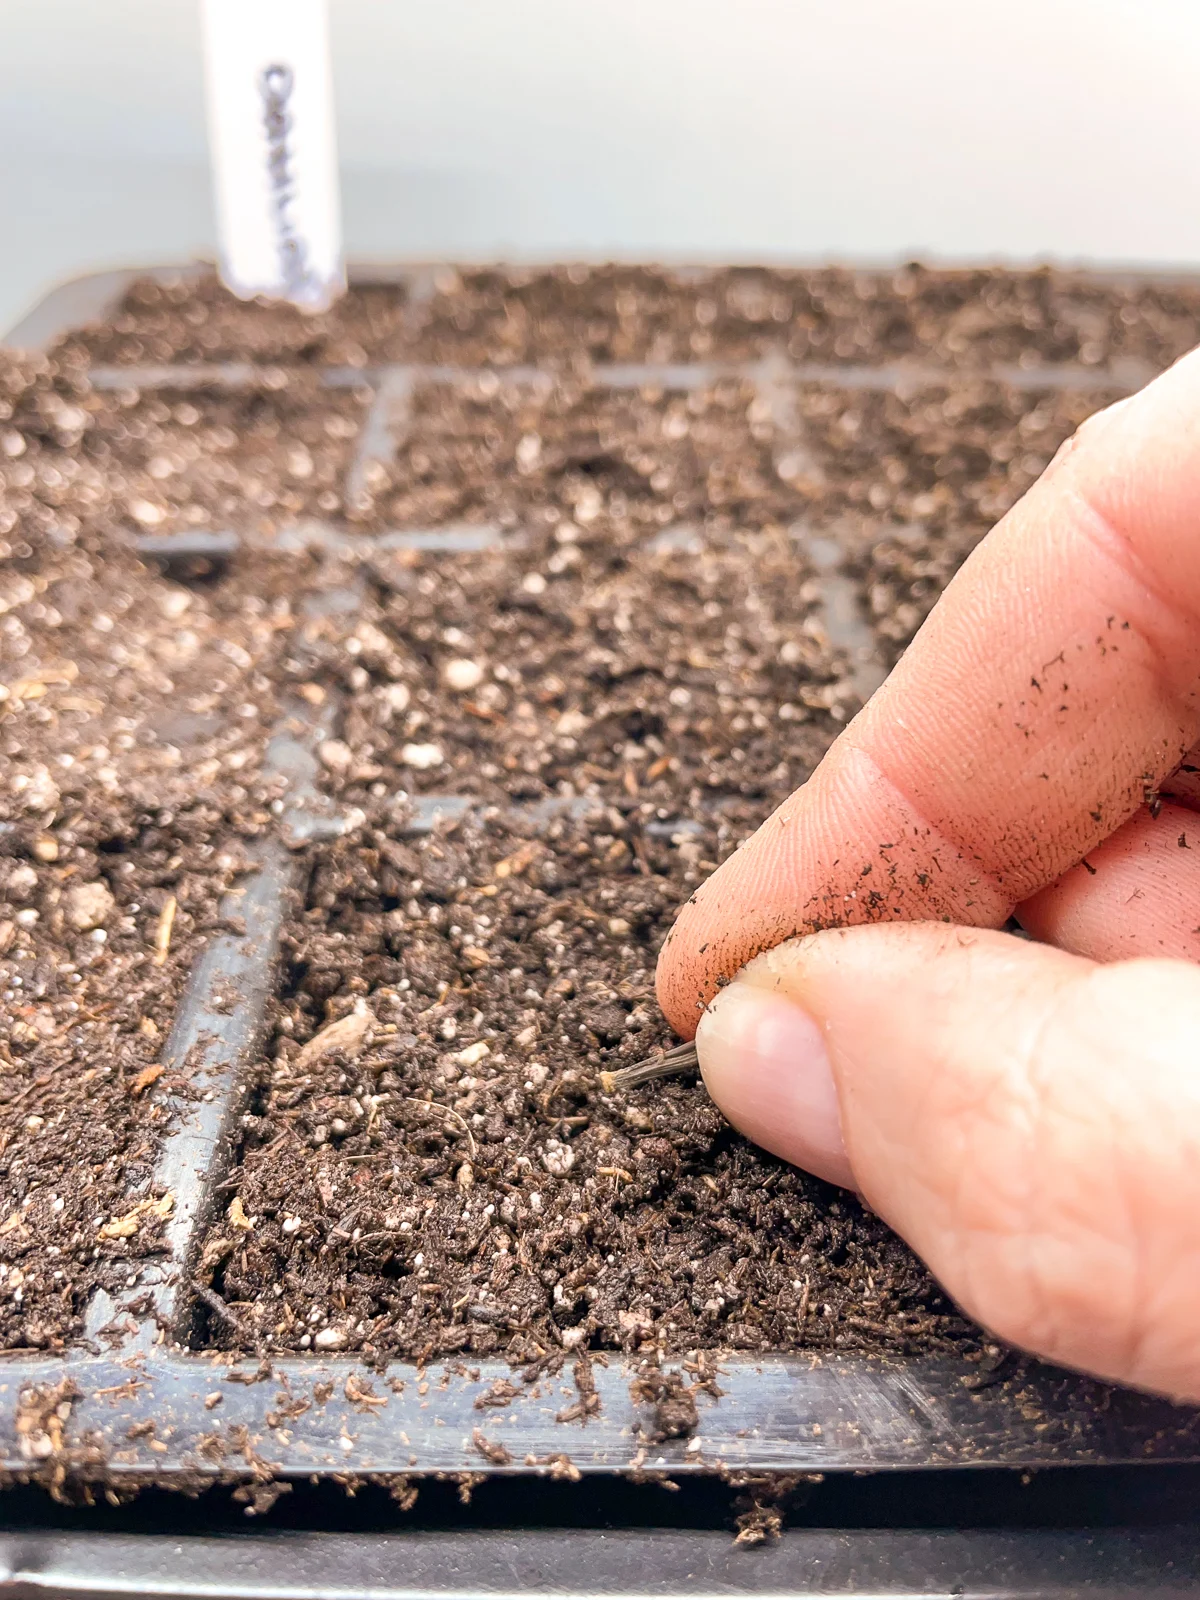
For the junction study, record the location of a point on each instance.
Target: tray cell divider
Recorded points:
(218, 1029)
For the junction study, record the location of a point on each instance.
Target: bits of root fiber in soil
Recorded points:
(918, 479)
(82, 1110)
(622, 463)
(450, 1177)
(657, 677)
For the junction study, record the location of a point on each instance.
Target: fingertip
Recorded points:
(678, 982)
(765, 1064)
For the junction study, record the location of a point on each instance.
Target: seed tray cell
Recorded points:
(458, 1182)
(156, 1390)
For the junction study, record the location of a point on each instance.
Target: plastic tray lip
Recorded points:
(802, 1412)
(702, 1564)
(165, 1415)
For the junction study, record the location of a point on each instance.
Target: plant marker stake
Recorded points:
(271, 136)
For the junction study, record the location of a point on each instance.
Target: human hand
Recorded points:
(1026, 1115)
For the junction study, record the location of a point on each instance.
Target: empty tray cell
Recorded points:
(912, 480)
(99, 927)
(253, 459)
(623, 462)
(434, 1166)
(565, 667)
(191, 319)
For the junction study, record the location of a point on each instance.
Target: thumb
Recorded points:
(1029, 1121)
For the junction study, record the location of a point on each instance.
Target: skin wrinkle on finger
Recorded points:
(1035, 1250)
(1139, 893)
(1106, 536)
(1150, 1117)
(989, 1120)
(1183, 785)
(1126, 1191)
(1169, 653)
(1146, 488)
(1117, 1134)
(1035, 1269)
(971, 1152)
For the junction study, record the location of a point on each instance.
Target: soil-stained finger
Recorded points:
(1136, 894)
(1055, 685)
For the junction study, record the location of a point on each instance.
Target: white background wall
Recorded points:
(747, 129)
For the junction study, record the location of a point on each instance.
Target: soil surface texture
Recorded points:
(88, 995)
(635, 656)
(913, 480)
(561, 315)
(570, 665)
(434, 1167)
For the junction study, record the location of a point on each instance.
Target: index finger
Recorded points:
(1054, 685)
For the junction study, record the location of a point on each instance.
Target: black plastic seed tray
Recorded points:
(154, 1409)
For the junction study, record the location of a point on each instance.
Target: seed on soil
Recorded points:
(679, 1060)
(346, 1035)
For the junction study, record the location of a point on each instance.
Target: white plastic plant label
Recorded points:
(274, 155)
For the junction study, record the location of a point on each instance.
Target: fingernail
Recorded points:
(765, 1064)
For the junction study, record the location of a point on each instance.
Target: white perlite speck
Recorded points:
(421, 756)
(462, 674)
(558, 1159)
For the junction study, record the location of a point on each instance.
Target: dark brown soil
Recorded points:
(82, 1090)
(960, 317)
(576, 665)
(623, 464)
(648, 645)
(251, 461)
(435, 1168)
(133, 715)
(123, 689)
(191, 318)
(51, 496)
(616, 313)
(915, 479)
